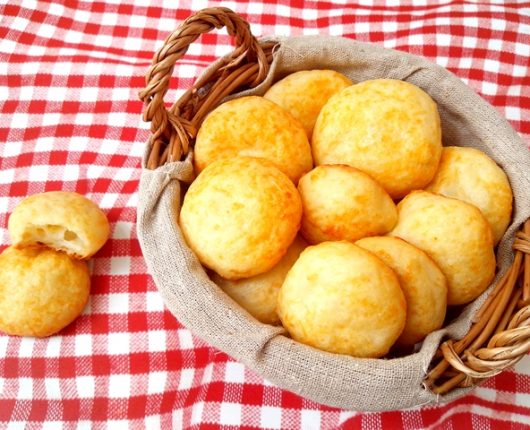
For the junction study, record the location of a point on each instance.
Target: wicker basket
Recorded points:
(500, 333)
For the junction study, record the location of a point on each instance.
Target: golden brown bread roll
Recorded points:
(303, 94)
(259, 295)
(240, 215)
(62, 220)
(254, 127)
(41, 291)
(455, 235)
(340, 298)
(343, 203)
(470, 175)
(422, 281)
(387, 128)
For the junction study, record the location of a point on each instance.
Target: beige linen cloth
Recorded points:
(331, 379)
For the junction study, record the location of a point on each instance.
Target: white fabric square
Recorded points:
(271, 417)
(11, 149)
(185, 339)
(186, 379)
(56, 9)
(38, 173)
(73, 36)
(57, 94)
(137, 21)
(26, 346)
(25, 388)
(118, 424)
(152, 422)
(153, 302)
(177, 418)
(3, 341)
(125, 174)
(520, 70)
(46, 30)
(119, 386)
(108, 200)
(19, 120)
(89, 94)
(156, 382)
(119, 343)
(83, 344)
(19, 23)
(196, 413)
(25, 93)
(310, 419)
(82, 15)
(156, 340)
(489, 88)
(51, 119)
(86, 386)
(110, 19)
(120, 265)
(465, 63)
(118, 303)
(207, 374)
(7, 46)
(71, 172)
(230, 414)
(84, 118)
(122, 230)
(52, 425)
(53, 388)
(7, 176)
(45, 144)
(234, 372)
(443, 39)
(53, 346)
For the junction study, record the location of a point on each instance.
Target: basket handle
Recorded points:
(500, 334)
(173, 130)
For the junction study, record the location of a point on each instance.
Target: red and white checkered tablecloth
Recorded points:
(70, 120)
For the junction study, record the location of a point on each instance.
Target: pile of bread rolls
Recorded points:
(44, 276)
(333, 209)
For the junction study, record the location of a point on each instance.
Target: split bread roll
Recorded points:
(303, 94)
(254, 127)
(387, 128)
(41, 291)
(343, 203)
(455, 235)
(422, 281)
(470, 175)
(259, 295)
(340, 298)
(240, 215)
(64, 221)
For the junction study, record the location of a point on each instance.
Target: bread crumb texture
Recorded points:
(303, 94)
(240, 215)
(343, 299)
(41, 291)
(387, 128)
(470, 175)
(254, 127)
(62, 220)
(422, 281)
(455, 235)
(343, 203)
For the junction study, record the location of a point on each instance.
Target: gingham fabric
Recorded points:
(71, 120)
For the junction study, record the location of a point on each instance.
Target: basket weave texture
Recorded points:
(490, 334)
